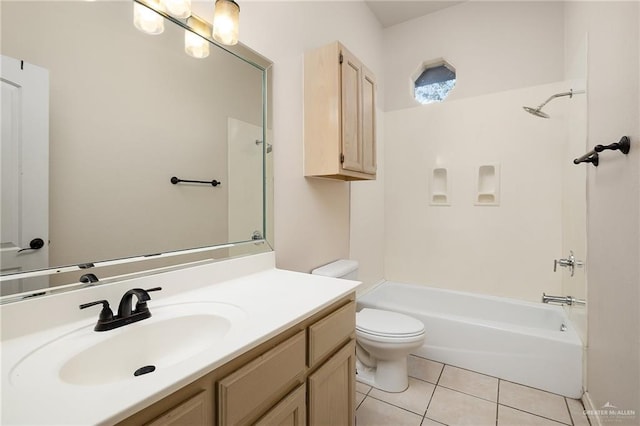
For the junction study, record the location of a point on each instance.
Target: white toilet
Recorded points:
(384, 339)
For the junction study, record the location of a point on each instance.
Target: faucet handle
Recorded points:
(141, 304)
(106, 314)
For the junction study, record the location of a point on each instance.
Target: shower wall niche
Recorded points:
(439, 191)
(488, 185)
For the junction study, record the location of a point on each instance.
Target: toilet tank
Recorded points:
(346, 269)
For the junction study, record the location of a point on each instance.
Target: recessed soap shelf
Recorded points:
(488, 185)
(439, 191)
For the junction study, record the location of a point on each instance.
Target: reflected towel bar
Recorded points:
(175, 180)
(624, 145)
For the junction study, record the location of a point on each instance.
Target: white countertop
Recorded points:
(272, 299)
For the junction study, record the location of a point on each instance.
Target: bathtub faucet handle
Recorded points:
(570, 263)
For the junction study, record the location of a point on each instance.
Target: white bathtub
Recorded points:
(514, 340)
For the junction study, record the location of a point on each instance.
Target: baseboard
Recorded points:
(591, 410)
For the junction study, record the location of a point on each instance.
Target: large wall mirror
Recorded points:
(97, 117)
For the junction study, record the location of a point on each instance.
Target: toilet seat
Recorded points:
(387, 325)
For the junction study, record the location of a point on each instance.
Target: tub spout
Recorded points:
(563, 300)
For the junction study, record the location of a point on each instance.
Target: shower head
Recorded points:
(537, 111)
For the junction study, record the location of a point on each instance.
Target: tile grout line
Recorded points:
(498, 402)
(566, 403)
(536, 415)
(468, 394)
(435, 387)
(391, 404)
(535, 389)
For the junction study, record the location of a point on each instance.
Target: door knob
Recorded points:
(35, 244)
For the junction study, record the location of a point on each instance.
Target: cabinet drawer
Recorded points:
(291, 411)
(331, 332)
(251, 390)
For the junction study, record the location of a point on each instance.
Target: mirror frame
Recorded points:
(145, 263)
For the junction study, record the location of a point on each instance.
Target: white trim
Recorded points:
(591, 411)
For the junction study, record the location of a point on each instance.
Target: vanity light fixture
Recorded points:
(148, 17)
(195, 45)
(147, 20)
(226, 22)
(181, 9)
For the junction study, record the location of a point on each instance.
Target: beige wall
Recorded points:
(494, 45)
(613, 216)
(313, 219)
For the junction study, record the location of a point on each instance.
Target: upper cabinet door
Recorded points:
(350, 73)
(369, 163)
(339, 115)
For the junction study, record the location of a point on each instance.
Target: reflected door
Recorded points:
(24, 157)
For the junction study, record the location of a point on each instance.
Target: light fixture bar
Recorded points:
(205, 30)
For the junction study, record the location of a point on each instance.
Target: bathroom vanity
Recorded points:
(280, 349)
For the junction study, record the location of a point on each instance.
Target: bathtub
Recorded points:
(533, 344)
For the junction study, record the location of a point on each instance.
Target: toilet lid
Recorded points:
(385, 323)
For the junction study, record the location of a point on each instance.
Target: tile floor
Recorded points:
(442, 394)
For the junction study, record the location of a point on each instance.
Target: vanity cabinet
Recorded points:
(339, 115)
(332, 389)
(195, 410)
(304, 375)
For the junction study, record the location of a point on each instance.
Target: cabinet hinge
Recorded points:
(341, 158)
(341, 58)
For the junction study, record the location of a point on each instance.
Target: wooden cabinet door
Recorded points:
(196, 411)
(332, 389)
(250, 391)
(368, 122)
(291, 411)
(350, 74)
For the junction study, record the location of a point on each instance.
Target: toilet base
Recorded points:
(388, 376)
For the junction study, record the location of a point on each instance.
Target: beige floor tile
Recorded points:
(429, 422)
(424, 369)
(362, 388)
(577, 412)
(470, 382)
(373, 412)
(508, 416)
(359, 398)
(455, 408)
(415, 398)
(534, 401)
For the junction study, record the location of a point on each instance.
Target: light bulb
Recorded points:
(146, 20)
(179, 8)
(226, 22)
(195, 45)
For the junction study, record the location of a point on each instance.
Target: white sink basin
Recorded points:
(174, 334)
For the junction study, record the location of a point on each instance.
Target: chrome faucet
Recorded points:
(570, 263)
(563, 300)
(126, 313)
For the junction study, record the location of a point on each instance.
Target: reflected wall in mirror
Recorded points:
(127, 111)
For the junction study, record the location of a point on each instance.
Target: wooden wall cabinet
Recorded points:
(303, 376)
(339, 115)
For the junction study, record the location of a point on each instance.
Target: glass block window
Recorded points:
(435, 83)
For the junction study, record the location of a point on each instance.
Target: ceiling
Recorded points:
(392, 12)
